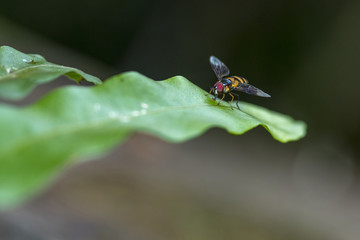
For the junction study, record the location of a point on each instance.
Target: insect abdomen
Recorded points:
(236, 80)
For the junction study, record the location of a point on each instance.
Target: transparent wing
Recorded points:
(250, 89)
(220, 69)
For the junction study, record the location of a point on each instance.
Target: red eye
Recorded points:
(219, 87)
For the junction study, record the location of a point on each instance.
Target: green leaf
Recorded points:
(20, 73)
(74, 123)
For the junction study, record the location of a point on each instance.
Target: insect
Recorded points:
(226, 85)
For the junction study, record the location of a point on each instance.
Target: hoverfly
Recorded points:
(226, 85)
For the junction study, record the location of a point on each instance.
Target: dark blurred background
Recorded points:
(306, 54)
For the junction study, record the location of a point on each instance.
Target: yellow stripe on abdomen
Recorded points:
(241, 79)
(237, 80)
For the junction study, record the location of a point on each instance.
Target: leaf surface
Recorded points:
(20, 73)
(74, 123)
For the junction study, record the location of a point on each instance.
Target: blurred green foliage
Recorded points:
(20, 73)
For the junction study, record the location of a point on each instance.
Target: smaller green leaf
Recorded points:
(20, 73)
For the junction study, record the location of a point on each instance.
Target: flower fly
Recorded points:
(227, 85)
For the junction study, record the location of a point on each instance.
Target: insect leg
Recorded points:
(223, 95)
(237, 100)
(232, 99)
